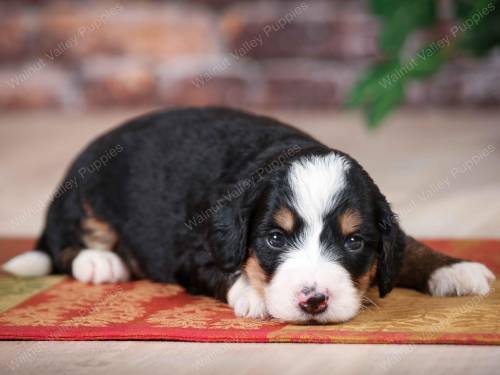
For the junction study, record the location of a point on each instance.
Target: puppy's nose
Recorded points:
(315, 303)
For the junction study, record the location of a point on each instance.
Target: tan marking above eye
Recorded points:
(255, 273)
(285, 219)
(349, 221)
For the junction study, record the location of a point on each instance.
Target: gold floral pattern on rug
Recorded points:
(75, 304)
(204, 312)
(409, 311)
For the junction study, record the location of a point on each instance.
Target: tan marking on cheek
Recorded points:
(255, 273)
(364, 282)
(349, 222)
(373, 271)
(285, 219)
(97, 234)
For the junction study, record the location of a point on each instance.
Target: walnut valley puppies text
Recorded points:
(242, 186)
(95, 166)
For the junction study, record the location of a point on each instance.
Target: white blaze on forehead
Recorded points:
(316, 182)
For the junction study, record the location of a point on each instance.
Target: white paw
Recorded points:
(245, 300)
(461, 279)
(30, 264)
(98, 267)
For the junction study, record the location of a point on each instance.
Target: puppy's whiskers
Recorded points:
(369, 301)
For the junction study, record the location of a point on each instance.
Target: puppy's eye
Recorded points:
(354, 243)
(276, 239)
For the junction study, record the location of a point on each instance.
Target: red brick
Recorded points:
(233, 86)
(308, 84)
(158, 51)
(417, 93)
(480, 82)
(216, 4)
(446, 87)
(36, 85)
(318, 29)
(15, 31)
(117, 81)
(463, 81)
(152, 30)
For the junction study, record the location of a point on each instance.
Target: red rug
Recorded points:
(57, 308)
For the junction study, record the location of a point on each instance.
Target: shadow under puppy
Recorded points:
(239, 207)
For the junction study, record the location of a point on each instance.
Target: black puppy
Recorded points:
(240, 207)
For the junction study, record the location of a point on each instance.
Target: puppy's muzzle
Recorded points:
(312, 302)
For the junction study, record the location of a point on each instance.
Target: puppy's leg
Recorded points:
(245, 299)
(440, 275)
(97, 263)
(99, 266)
(243, 291)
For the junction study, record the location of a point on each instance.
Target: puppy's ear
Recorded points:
(229, 227)
(391, 245)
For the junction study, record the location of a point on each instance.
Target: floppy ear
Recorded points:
(391, 246)
(229, 230)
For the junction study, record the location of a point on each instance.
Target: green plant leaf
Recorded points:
(425, 66)
(480, 26)
(394, 34)
(400, 19)
(388, 99)
(381, 88)
(369, 86)
(384, 8)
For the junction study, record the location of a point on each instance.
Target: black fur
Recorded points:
(190, 191)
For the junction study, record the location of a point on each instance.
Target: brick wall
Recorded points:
(87, 54)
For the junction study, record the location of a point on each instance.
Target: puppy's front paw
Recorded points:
(99, 267)
(245, 300)
(461, 279)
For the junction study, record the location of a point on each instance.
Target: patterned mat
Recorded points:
(58, 308)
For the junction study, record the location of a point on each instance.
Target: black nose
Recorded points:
(315, 304)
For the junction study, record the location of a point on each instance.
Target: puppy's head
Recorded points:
(311, 238)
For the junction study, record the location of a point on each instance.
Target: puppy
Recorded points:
(239, 207)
